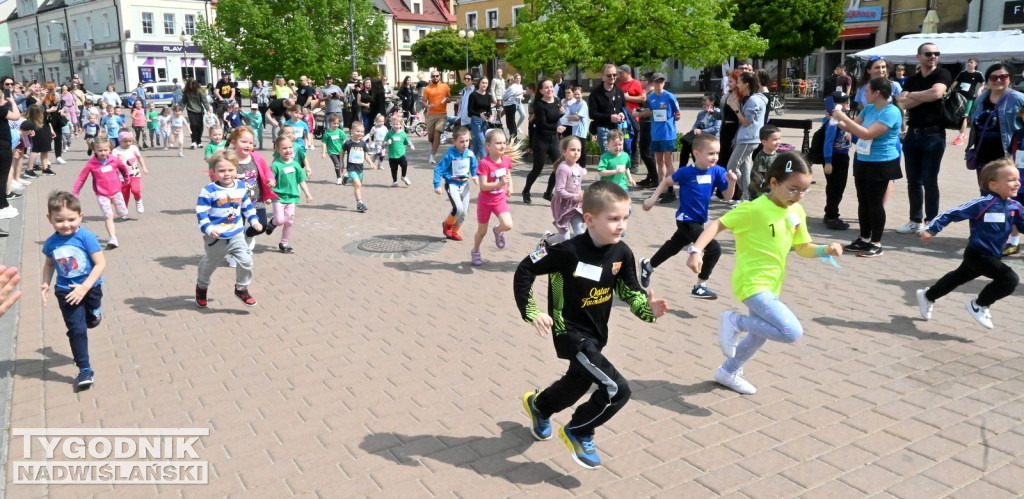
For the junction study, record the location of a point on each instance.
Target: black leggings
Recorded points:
(835, 184)
(394, 163)
(510, 121)
(543, 145)
(645, 152)
(870, 210)
(6, 157)
(195, 125)
(58, 142)
(976, 264)
(686, 233)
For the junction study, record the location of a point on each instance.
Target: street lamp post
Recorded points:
(468, 35)
(352, 35)
(66, 38)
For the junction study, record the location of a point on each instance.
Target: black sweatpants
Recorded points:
(645, 152)
(870, 210)
(6, 160)
(977, 263)
(195, 126)
(586, 368)
(835, 184)
(545, 148)
(394, 163)
(686, 233)
(510, 121)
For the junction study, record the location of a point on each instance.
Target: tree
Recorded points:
(794, 28)
(444, 49)
(557, 34)
(263, 38)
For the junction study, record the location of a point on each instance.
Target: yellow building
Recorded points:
(496, 16)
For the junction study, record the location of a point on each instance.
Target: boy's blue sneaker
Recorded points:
(702, 292)
(582, 448)
(85, 379)
(645, 272)
(540, 428)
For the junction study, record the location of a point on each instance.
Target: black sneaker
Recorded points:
(547, 196)
(836, 224)
(93, 319)
(526, 198)
(701, 291)
(873, 251)
(13, 195)
(48, 172)
(201, 297)
(645, 272)
(29, 174)
(285, 248)
(667, 198)
(269, 228)
(857, 245)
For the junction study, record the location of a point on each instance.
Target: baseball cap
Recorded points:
(840, 97)
(625, 68)
(658, 76)
(328, 77)
(255, 106)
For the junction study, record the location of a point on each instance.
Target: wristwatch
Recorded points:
(691, 250)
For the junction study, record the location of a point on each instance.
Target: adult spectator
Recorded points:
(876, 68)
(994, 117)
(280, 89)
(478, 107)
(643, 117)
(109, 98)
(497, 89)
(56, 118)
(260, 95)
(605, 103)
(79, 94)
(559, 86)
(467, 90)
(435, 99)
(636, 95)
(225, 93)
(8, 111)
(730, 122)
(843, 82)
(378, 101)
(407, 96)
(177, 95)
(276, 114)
(709, 121)
(305, 94)
(969, 83)
(750, 107)
(926, 136)
(330, 98)
(544, 130)
(352, 88)
(195, 104)
(363, 104)
(140, 94)
(877, 161)
(512, 103)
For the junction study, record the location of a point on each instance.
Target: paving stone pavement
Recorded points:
(358, 376)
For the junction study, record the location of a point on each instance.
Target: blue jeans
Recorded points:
(477, 129)
(77, 319)
(922, 155)
(769, 319)
(602, 137)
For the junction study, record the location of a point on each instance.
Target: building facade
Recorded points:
(412, 20)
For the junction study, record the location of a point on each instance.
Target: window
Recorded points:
(49, 37)
(422, 34)
(471, 20)
(417, 8)
(168, 24)
(106, 24)
(74, 30)
(147, 23)
(17, 41)
(492, 18)
(405, 36)
(407, 65)
(190, 24)
(515, 14)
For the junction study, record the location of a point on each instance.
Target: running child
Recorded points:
(991, 217)
(299, 125)
(92, 130)
(164, 126)
(583, 273)
(377, 136)
(113, 123)
(567, 203)
(614, 163)
(254, 118)
(300, 152)
(254, 171)
(232, 117)
(290, 179)
(178, 124)
(138, 123)
(456, 167)
(494, 176)
(210, 120)
(355, 154)
(334, 138)
(765, 228)
(76, 256)
(396, 141)
(697, 183)
(104, 168)
(222, 209)
(153, 124)
(771, 137)
(130, 155)
(217, 141)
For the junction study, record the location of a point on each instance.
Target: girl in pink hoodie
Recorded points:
(106, 182)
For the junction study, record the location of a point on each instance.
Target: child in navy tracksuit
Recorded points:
(837, 164)
(991, 217)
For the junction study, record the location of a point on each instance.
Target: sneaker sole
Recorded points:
(921, 302)
(572, 451)
(704, 297)
(862, 255)
(971, 312)
(529, 414)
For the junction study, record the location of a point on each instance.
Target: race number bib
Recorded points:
(864, 147)
(355, 155)
(289, 169)
(965, 87)
(460, 167)
(659, 115)
(997, 218)
(588, 271)
(500, 172)
(703, 179)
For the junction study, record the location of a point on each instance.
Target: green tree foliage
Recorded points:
(794, 28)
(445, 50)
(262, 38)
(558, 34)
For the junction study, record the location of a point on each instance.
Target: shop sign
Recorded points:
(863, 14)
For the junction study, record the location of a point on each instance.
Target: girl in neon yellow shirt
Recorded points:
(765, 230)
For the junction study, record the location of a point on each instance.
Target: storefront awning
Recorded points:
(858, 33)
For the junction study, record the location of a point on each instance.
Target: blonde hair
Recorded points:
(990, 173)
(222, 155)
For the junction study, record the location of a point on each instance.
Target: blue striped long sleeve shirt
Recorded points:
(224, 209)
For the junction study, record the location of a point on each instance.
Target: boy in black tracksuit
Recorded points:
(583, 273)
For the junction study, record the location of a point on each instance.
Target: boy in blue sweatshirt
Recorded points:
(991, 218)
(223, 208)
(457, 167)
(837, 163)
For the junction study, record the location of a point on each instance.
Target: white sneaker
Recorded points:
(17, 188)
(910, 228)
(60, 160)
(394, 184)
(734, 382)
(139, 208)
(432, 160)
(924, 305)
(192, 145)
(23, 181)
(728, 334)
(112, 243)
(980, 314)
(338, 182)
(8, 212)
(406, 180)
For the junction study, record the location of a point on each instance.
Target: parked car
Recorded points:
(158, 93)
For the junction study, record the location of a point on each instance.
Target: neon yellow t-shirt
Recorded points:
(764, 235)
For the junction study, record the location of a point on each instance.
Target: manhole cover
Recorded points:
(393, 246)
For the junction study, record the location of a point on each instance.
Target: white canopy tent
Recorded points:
(955, 47)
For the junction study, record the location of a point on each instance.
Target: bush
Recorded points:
(592, 148)
(244, 92)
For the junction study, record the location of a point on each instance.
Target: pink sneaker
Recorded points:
(959, 140)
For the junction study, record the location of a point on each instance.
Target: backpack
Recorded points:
(816, 153)
(954, 109)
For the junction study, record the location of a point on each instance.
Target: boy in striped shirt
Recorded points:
(223, 208)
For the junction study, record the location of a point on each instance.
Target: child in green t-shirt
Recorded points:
(216, 141)
(396, 141)
(300, 152)
(334, 137)
(153, 124)
(254, 118)
(614, 164)
(291, 178)
(770, 136)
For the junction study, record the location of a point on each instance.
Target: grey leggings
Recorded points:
(740, 163)
(769, 319)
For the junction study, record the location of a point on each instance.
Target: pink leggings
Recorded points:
(283, 215)
(134, 186)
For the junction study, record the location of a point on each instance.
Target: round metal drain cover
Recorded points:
(391, 246)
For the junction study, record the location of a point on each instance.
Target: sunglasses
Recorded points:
(1003, 77)
(435, 76)
(610, 75)
(931, 54)
(875, 58)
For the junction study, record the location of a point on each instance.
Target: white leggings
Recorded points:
(458, 195)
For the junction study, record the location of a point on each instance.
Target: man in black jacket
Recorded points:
(605, 105)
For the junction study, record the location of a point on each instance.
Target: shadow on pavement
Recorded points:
(464, 267)
(156, 306)
(668, 395)
(179, 212)
(328, 207)
(178, 262)
(40, 368)
(898, 324)
(488, 456)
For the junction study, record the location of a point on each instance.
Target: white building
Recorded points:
(119, 42)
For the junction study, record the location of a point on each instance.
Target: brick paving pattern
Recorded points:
(402, 377)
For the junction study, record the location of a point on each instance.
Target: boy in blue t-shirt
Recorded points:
(665, 112)
(301, 128)
(836, 150)
(113, 123)
(696, 185)
(76, 256)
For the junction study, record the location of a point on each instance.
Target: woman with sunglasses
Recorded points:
(8, 111)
